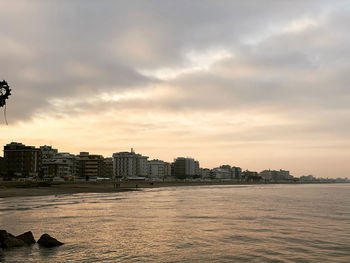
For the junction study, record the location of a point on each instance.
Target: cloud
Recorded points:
(242, 72)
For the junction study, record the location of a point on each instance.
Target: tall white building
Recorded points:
(129, 164)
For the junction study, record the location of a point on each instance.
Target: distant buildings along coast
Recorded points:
(23, 162)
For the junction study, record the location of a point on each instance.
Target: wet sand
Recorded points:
(15, 189)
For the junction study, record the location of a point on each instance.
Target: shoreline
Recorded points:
(21, 189)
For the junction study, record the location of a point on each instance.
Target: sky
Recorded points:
(258, 84)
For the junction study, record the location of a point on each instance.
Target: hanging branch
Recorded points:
(5, 92)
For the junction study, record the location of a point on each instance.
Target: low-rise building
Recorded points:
(204, 173)
(222, 172)
(251, 176)
(273, 175)
(308, 178)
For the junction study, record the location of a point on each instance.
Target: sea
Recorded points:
(228, 223)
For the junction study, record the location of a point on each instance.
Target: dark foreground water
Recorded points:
(260, 223)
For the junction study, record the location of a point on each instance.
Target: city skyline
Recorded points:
(224, 82)
(49, 151)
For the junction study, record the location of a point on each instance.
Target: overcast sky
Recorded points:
(260, 84)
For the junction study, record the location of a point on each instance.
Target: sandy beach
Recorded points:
(34, 189)
(15, 189)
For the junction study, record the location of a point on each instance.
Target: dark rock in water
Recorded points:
(47, 241)
(8, 240)
(12, 242)
(3, 235)
(27, 238)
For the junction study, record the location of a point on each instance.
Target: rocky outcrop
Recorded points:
(47, 241)
(7, 240)
(12, 242)
(27, 238)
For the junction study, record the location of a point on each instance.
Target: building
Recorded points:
(156, 169)
(308, 178)
(21, 160)
(197, 171)
(167, 170)
(273, 175)
(186, 168)
(222, 172)
(129, 165)
(236, 173)
(47, 152)
(64, 165)
(251, 176)
(107, 168)
(226, 172)
(90, 165)
(2, 166)
(204, 173)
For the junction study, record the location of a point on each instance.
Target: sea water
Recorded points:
(255, 223)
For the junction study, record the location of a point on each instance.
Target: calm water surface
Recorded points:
(260, 223)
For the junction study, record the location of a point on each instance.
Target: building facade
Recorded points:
(129, 165)
(90, 165)
(236, 173)
(64, 165)
(222, 172)
(204, 173)
(273, 175)
(21, 160)
(156, 169)
(107, 167)
(186, 168)
(2, 166)
(167, 170)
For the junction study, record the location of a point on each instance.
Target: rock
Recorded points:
(47, 241)
(3, 235)
(12, 242)
(8, 240)
(27, 238)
